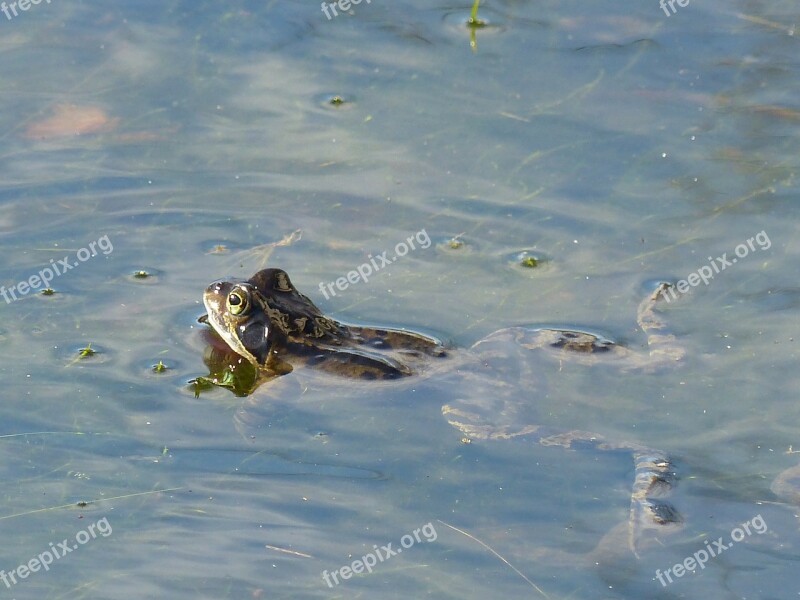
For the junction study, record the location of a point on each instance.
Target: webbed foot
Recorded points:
(655, 475)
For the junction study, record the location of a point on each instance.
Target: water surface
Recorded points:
(618, 145)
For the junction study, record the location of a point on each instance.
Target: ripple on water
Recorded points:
(457, 22)
(528, 261)
(334, 101)
(87, 354)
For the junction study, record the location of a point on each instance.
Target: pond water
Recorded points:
(559, 164)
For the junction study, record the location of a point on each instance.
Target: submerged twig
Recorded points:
(72, 504)
(265, 250)
(490, 549)
(287, 551)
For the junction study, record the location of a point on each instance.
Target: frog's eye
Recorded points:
(238, 302)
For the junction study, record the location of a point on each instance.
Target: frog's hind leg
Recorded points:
(655, 476)
(654, 479)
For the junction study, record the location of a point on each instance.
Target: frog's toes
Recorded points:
(662, 513)
(466, 422)
(477, 426)
(661, 291)
(655, 478)
(649, 514)
(655, 475)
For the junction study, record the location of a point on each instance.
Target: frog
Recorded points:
(264, 327)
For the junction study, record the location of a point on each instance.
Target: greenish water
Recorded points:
(617, 144)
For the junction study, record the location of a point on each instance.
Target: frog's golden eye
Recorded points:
(238, 302)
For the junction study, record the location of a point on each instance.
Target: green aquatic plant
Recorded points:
(240, 379)
(86, 352)
(474, 23)
(160, 367)
(455, 243)
(201, 384)
(82, 354)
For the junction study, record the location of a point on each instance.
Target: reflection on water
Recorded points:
(580, 153)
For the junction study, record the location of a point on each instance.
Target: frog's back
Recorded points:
(314, 340)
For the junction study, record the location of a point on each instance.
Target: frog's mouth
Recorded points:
(235, 314)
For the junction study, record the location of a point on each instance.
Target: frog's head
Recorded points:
(257, 315)
(237, 312)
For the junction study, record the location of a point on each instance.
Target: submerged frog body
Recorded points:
(276, 329)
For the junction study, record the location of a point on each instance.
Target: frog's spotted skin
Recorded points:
(269, 323)
(265, 319)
